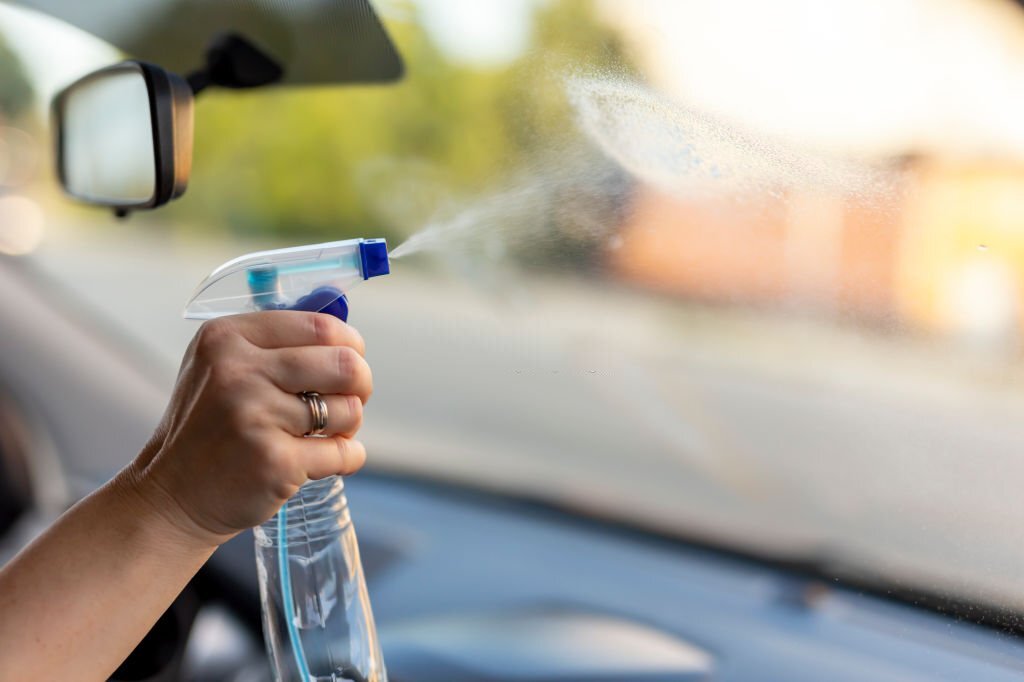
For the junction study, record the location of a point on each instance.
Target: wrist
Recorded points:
(159, 514)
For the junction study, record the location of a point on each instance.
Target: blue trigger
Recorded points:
(324, 300)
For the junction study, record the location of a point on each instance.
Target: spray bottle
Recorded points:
(317, 621)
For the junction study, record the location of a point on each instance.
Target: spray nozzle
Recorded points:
(313, 277)
(374, 256)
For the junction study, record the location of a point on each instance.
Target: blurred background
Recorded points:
(814, 370)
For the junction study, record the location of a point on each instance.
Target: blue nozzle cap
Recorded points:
(374, 255)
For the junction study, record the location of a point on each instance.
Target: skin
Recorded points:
(227, 454)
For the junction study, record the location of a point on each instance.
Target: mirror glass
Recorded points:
(107, 148)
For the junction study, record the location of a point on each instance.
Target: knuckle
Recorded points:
(358, 342)
(352, 455)
(344, 446)
(330, 331)
(212, 336)
(369, 384)
(325, 329)
(347, 363)
(355, 414)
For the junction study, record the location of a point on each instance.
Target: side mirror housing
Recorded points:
(124, 136)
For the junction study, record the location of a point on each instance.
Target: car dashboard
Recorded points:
(472, 586)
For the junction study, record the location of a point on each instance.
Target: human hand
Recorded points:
(229, 451)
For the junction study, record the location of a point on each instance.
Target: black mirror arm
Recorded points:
(198, 81)
(232, 61)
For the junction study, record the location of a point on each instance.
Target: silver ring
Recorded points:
(318, 408)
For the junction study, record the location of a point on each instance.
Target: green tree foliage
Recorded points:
(307, 161)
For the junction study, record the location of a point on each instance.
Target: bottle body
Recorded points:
(317, 620)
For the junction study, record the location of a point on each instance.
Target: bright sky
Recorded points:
(482, 32)
(872, 76)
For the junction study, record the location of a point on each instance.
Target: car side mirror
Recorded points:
(124, 136)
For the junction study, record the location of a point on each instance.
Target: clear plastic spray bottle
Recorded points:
(317, 621)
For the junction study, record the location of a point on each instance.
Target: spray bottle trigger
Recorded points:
(324, 300)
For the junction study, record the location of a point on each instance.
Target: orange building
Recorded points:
(944, 253)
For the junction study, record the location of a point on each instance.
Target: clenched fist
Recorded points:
(230, 449)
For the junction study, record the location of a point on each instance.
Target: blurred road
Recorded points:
(901, 456)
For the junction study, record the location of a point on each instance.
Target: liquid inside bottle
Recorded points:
(317, 621)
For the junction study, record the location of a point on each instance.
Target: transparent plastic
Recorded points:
(321, 585)
(317, 621)
(270, 280)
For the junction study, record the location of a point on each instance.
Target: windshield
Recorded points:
(744, 271)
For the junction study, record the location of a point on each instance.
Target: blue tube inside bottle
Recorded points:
(263, 285)
(288, 603)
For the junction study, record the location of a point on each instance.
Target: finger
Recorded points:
(329, 371)
(292, 328)
(344, 414)
(324, 457)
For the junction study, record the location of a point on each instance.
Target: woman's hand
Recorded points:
(230, 449)
(227, 455)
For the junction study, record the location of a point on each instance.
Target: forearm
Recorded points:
(85, 592)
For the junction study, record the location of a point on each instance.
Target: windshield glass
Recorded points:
(744, 271)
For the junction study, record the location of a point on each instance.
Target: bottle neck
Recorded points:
(318, 509)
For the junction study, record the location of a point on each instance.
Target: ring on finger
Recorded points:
(318, 410)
